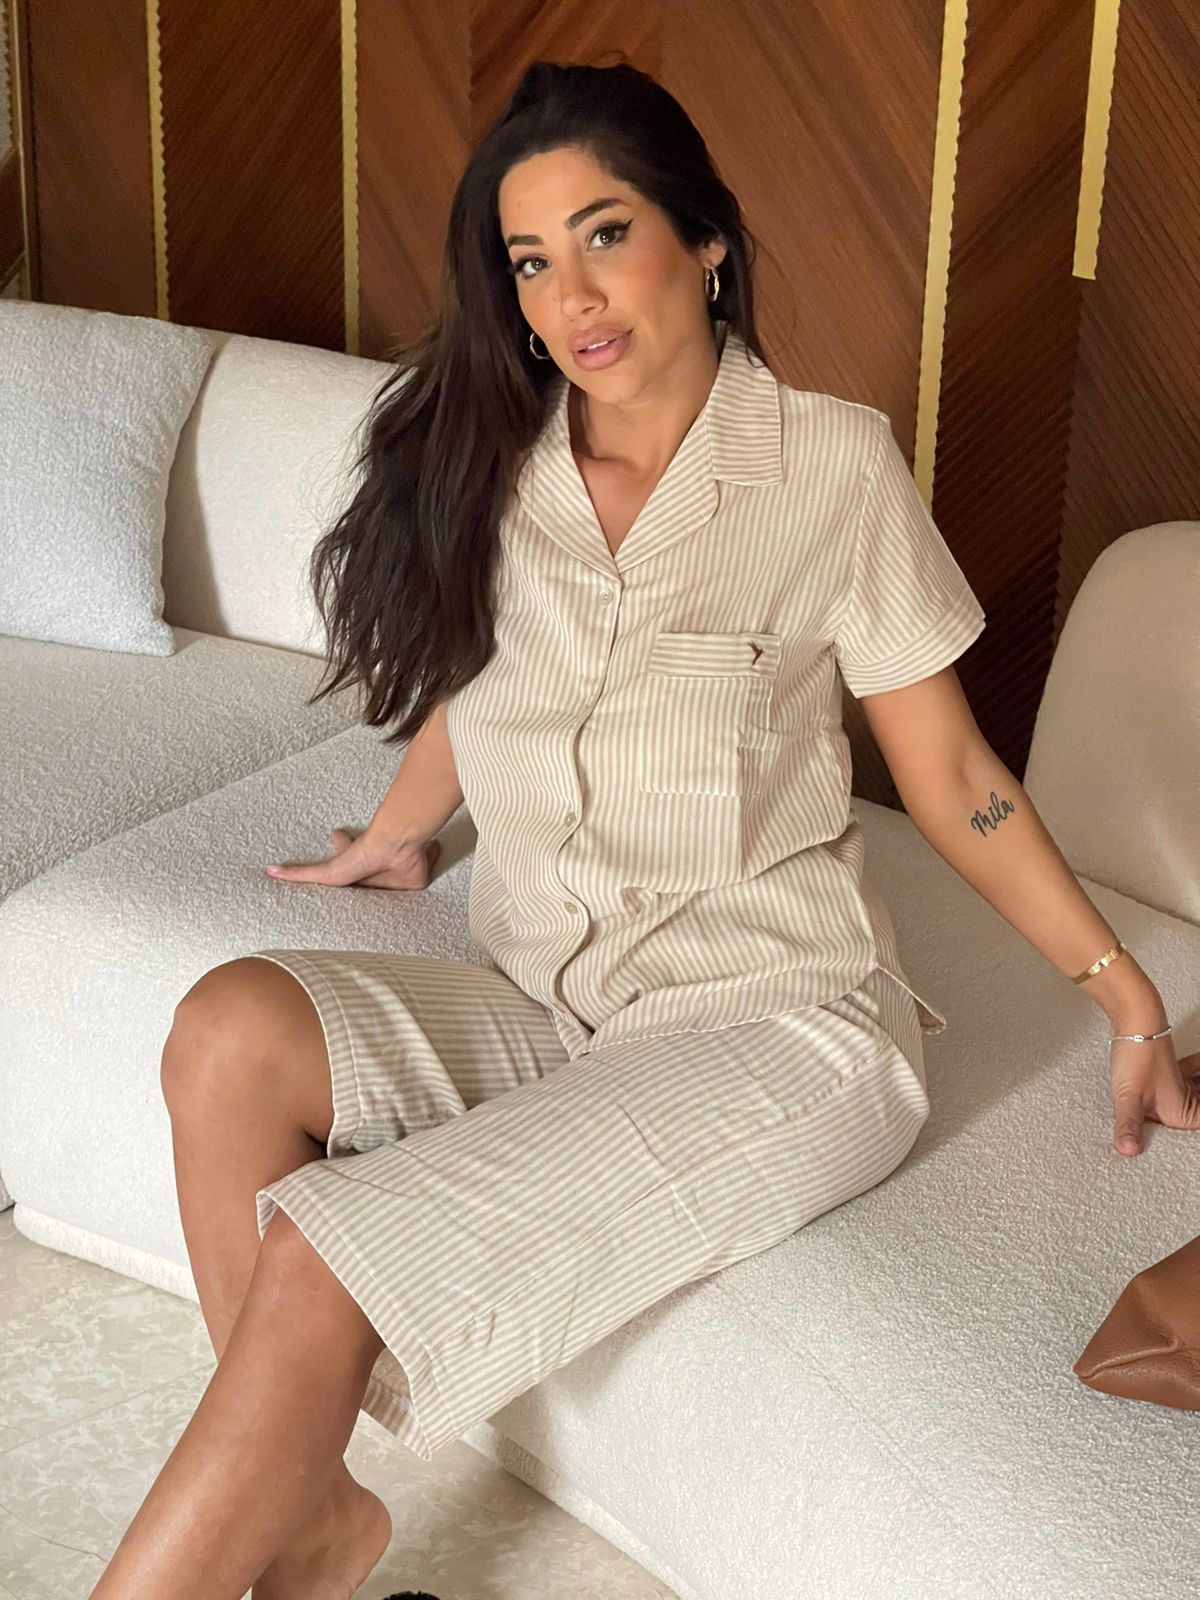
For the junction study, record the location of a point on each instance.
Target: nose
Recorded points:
(578, 294)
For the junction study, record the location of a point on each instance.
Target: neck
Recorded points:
(638, 438)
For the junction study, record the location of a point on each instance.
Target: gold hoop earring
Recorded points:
(533, 352)
(712, 289)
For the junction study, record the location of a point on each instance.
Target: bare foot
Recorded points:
(335, 1555)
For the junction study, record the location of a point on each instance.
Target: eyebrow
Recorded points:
(573, 221)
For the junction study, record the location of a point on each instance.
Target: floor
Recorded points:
(99, 1375)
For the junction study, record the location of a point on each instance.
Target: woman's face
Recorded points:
(617, 268)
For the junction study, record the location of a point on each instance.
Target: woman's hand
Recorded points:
(371, 860)
(1149, 1084)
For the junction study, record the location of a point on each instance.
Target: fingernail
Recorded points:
(274, 869)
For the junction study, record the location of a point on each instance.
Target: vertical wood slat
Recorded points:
(91, 212)
(505, 39)
(252, 164)
(1133, 458)
(412, 136)
(1009, 351)
(12, 238)
(826, 129)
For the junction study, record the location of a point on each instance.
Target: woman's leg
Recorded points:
(245, 1076)
(270, 1429)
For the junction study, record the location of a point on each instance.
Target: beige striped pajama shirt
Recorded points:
(690, 1033)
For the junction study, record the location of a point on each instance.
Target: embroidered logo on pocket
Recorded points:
(706, 696)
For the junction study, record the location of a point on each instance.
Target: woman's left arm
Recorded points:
(966, 803)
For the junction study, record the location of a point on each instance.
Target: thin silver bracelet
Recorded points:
(1140, 1036)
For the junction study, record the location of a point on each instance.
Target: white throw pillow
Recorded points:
(91, 408)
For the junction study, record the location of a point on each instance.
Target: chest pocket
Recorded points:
(707, 697)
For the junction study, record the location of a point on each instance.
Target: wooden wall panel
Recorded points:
(413, 92)
(310, 150)
(88, 130)
(1009, 353)
(506, 38)
(1134, 455)
(12, 238)
(252, 166)
(823, 124)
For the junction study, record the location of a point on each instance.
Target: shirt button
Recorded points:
(605, 597)
(570, 819)
(571, 906)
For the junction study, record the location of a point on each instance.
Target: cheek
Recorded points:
(648, 273)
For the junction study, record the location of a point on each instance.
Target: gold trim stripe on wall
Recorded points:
(157, 173)
(1095, 136)
(18, 119)
(937, 259)
(350, 172)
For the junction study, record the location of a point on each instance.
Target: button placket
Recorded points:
(571, 818)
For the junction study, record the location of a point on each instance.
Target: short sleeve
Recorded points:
(909, 610)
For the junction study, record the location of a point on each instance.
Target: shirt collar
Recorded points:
(736, 438)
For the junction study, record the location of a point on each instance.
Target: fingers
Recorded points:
(1176, 1106)
(335, 871)
(316, 871)
(1127, 1136)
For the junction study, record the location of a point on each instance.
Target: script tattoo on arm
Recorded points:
(985, 822)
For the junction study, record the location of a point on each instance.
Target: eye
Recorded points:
(619, 228)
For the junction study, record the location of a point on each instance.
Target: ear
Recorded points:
(715, 252)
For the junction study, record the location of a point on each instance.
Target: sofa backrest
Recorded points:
(1114, 766)
(265, 460)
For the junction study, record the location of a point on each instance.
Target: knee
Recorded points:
(218, 1033)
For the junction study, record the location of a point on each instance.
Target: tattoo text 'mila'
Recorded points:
(985, 822)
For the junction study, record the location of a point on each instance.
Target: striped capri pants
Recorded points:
(495, 1207)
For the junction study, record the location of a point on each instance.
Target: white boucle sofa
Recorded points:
(882, 1407)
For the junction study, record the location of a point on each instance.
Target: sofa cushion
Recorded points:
(1114, 762)
(91, 404)
(881, 1405)
(97, 741)
(266, 461)
(120, 932)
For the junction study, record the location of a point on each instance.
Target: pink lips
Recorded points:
(592, 360)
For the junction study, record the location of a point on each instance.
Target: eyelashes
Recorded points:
(619, 228)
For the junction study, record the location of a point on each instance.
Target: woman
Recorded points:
(607, 574)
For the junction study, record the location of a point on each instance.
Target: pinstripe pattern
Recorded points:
(496, 1207)
(686, 1042)
(654, 756)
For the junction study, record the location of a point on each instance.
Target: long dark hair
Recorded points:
(403, 579)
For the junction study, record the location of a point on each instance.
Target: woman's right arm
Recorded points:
(425, 793)
(394, 851)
